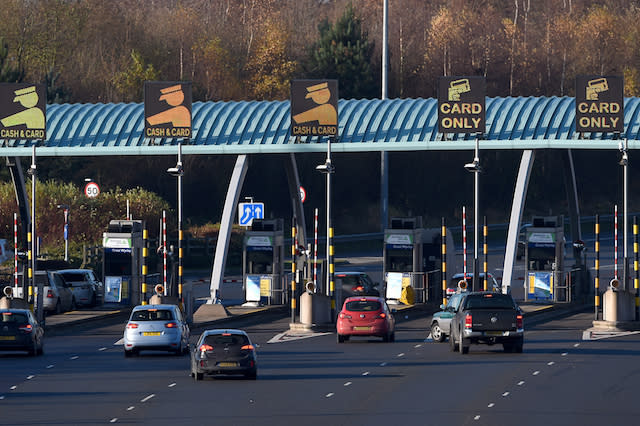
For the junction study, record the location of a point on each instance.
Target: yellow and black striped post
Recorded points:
(31, 280)
(443, 233)
(145, 236)
(597, 267)
(485, 252)
(636, 279)
(293, 272)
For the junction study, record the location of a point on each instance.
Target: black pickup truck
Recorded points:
(489, 318)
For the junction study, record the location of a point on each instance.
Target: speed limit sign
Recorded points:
(91, 190)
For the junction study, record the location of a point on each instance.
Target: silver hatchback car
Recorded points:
(156, 327)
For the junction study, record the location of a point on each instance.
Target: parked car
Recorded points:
(441, 321)
(487, 318)
(19, 331)
(355, 284)
(365, 316)
(454, 283)
(224, 352)
(156, 327)
(57, 296)
(87, 289)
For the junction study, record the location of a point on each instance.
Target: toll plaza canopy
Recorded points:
(254, 127)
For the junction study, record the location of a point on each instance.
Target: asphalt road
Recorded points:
(84, 379)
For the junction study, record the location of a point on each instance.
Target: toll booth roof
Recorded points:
(125, 226)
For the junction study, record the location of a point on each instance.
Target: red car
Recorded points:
(365, 316)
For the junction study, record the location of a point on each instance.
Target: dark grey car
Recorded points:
(224, 352)
(19, 331)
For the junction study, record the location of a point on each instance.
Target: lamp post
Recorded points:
(65, 208)
(178, 172)
(624, 162)
(328, 169)
(474, 167)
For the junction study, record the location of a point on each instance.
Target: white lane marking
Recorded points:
(119, 342)
(476, 418)
(74, 357)
(564, 354)
(491, 405)
(505, 394)
(30, 377)
(113, 420)
(14, 387)
(329, 395)
(102, 349)
(148, 397)
(172, 385)
(131, 408)
(50, 366)
(401, 354)
(521, 382)
(291, 335)
(382, 364)
(347, 384)
(576, 345)
(418, 345)
(550, 363)
(535, 373)
(1, 397)
(366, 373)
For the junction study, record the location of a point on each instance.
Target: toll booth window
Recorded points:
(400, 260)
(117, 264)
(541, 258)
(260, 262)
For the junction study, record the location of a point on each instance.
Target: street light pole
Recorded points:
(328, 169)
(474, 167)
(624, 161)
(178, 171)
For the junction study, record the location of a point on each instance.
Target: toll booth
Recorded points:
(544, 260)
(263, 262)
(416, 254)
(122, 260)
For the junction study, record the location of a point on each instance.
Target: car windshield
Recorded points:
(14, 317)
(363, 305)
(226, 339)
(152, 315)
(489, 301)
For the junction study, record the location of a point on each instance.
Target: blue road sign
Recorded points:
(249, 211)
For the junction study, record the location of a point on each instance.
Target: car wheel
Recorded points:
(40, 350)
(94, 300)
(198, 376)
(58, 307)
(340, 338)
(517, 345)
(73, 304)
(179, 351)
(252, 376)
(393, 337)
(386, 337)
(128, 354)
(436, 333)
(452, 342)
(33, 350)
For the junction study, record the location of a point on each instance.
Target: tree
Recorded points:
(343, 52)
(8, 74)
(129, 82)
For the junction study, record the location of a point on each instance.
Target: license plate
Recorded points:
(152, 333)
(7, 337)
(228, 364)
(362, 328)
(494, 333)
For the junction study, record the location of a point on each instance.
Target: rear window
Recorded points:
(489, 301)
(13, 317)
(223, 340)
(363, 305)
(73, 276)
(152, 315)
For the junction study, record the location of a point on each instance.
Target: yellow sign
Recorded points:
(314, 108)
(265, 286)
(23, 117)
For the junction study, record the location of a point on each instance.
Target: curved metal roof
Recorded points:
(364, 125)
